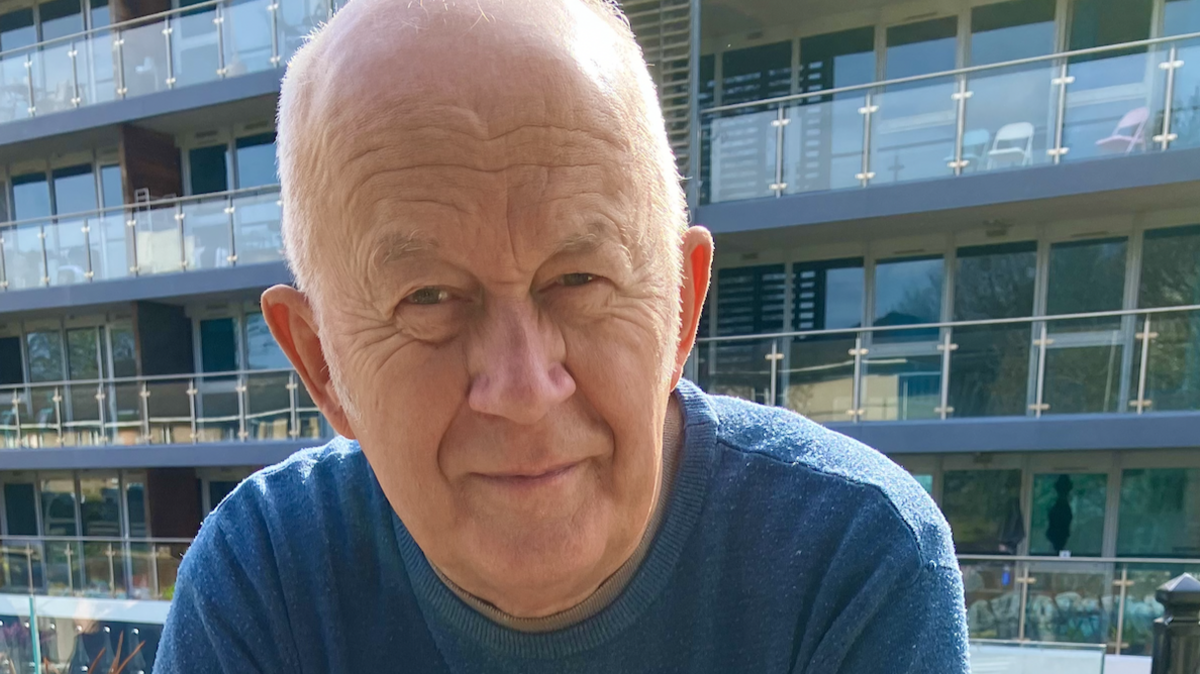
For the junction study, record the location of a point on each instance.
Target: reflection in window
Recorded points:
(1098, 23)
(218, 345)
(1170, 267)
(921, 48)
(60, 18)
(1068, 514)
(31, 196)
(124, 349)
(1171, 277)
(256, 161)
(262, 352)
(74, 189)
(1181, 17)
(983, 508)
(44, 351)
(1007, 31)
(110, 185)
(827, 295)
(835, 60)
(100, 506)
(83, 356)
(58, 507)
(1086, 276)
(908, 291)
(16, 29)
(749, 300)
(995, 281)
(755, 73)
(1157, 513)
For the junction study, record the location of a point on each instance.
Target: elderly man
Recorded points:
(496, 292)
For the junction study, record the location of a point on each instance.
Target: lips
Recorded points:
(531, 477)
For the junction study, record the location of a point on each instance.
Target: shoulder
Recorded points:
(816, 464)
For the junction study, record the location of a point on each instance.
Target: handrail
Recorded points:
(1076, 560)
(146, 378)
(954, 324)
(947, 73)
(92, 539)
(158, 203)
(149, 18)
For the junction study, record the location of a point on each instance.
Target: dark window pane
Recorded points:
(83, 357)
(110, 185)
(1086, 276)
(31, 196)
(827, 295)
(1096, 23)
(1158, 511)
(989, 371)
(135, 500)
(209, 170)
(218, 345)
(983, 508)
(124, 350)
(921, 48)
(750, 300)
(12, 370)
(262, 351)
(20, 507)
(755, 73)
(58, 507)
(100, 13)
(835, 60)
(1068, 514)
(256, 161)
(995, 281)
(16, 29)
(100, 506)
(1170, 267)
(908, 291)
(60, 18)
(44, 350)
(218, 490)
(1006, 31)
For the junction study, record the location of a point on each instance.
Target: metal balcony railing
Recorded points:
(200, 43)
(253, 405)
(1108, 101)
(1131, 362)
(91, 566)
(209, 231)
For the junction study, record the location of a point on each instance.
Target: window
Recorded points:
(1086, 276)
(16, 30)
(1068, 514)
(110, 185)
(1157, 512)
(836, 60)
(1181, 17)
(921, 48)
(60, 18)
(1170, 267)
(995, 281)
(262, 352)
(208, 168)
(124, 349)
(31, 196)
(755, 73)
(983, 508)
(1006, 31)
(908, 291)
(1097, 23)
(135, 500)
(827, 295)
(750, 299)
(100, 506)
(20, 508)
(218, 490)
(74, 189)
(58, 507)
(256, 161)
(101, 15)
(45, 354)
(1171, 277)
(83, 355)
(218, 345)
(12, 366)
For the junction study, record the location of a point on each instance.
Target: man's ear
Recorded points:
(697, 268)
(290, 318)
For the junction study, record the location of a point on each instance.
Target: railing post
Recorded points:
(241, 392)
(866, 111)
(144, 394)
(293, 406)
(1042, 343)
(960, 97)
(1123, 586)
(76, 99)
(857, 352)
(1172, 63)
(774, 357)
(118, 46)
(1024, 580)
(29, 84)
(45, 258)
(273, 8)
(1145, 336)
(1061, 82)
(100, 408)
(166, 31)
(58, 423)
(90, 273)
(179, 216)
(230, 210)
(3, 265)
(131, 227)
(1177, 632)
(70, 571)
(153, 550)
(29, 565)
(219, 21)
(779, 122)
(946, 348)
(192, 391)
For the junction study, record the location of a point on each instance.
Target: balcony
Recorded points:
(1120, 100)
(211, 231)
(201, 43)
(246, 406)
(1112, 363)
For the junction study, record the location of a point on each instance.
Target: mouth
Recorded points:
(531, 478)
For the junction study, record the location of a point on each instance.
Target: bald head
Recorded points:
(488, 69)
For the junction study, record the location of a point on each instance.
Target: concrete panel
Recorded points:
(154, 456)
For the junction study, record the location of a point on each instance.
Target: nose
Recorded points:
(518, 365)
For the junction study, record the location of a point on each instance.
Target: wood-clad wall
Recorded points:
(149, 159)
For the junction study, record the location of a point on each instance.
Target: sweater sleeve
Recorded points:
(917, 628)
(228, 612)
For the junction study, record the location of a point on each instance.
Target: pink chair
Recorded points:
(1130, 132)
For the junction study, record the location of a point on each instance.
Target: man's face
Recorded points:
(499, 315)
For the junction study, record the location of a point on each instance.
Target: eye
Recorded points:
(428, 296)
(576, 279)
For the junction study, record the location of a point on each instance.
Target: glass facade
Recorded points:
(983, 508)
(1158, 513)
(1068, 514)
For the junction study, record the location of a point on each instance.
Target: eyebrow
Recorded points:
(396, 247)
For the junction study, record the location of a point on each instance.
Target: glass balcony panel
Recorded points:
(207, 236)
(143, 579)
(913, 132)
(81, 416)
(144, 59)
(256, 230)
(308, 415)
(1083, 366)
(10, 413)
(159, 241)
(83, 636)
(110, 246)
(169, 406)
(737, 368)
(123, 414)
(195, 53)
(1069, 603)
(1185, 103)
(823, 144)
(818, 377)
(1032, 656)
(1108, 108)
(96, 63)
(744, 154)
(1141, 608)
(993, 599)
(21, 568)
(217, 409)
(1173, 363)
(14, 87)
(268, 405)
(40, 416)
(63, 567)
(989, 371)
(66, 251)
(166, 559)
(901, 386)
(298, 18)
(23, 264)
(101, 569)
(1068, 514)
(1010, 118)
(247, 27)
(984, 510)
(53, 78)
